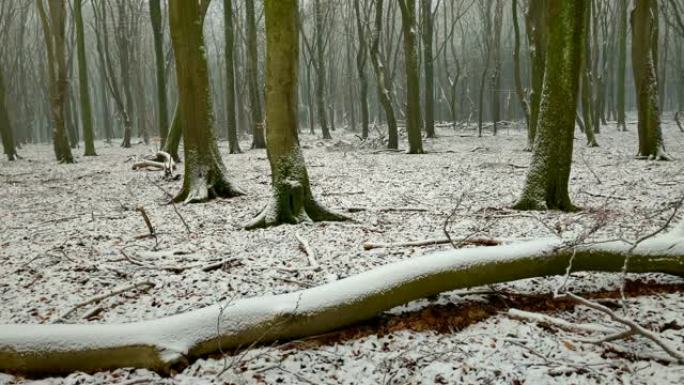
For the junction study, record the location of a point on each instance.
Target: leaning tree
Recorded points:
(546, 186)
(644, 59)
(292, 200)
(205, 173)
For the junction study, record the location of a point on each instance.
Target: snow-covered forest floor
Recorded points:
(69, 233)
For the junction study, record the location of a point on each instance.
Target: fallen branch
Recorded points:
(434, 242)
(633, 328)
(387, 209)
(211, 266)
(160, 161)
(557, 322)
(100, 297)
(304, 245)
(147, 220)
(170, 342)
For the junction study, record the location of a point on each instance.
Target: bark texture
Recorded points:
(292, 200)
(413, 120)
(546, 186)
(205, 174)
(83, 83)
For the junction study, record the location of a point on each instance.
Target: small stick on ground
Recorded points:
(434, 242)
(304, 245)
(147, 220)
(388, 209)
(557, 322)
(98, 298)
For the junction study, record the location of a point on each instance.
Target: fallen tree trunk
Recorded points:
(171, 341)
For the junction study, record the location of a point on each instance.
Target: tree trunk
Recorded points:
(428, 67)
(54, 34)
(231, 125)
(408, 24)
(205, 174)
(158, 34)
(546, 186)
(622, 63)
(586, 84)
(171, 342)
(537, 33)
(84, 89)
(519, 91)
(292, 200)
(644, 63)
(6, 132)
(383, 83)
(361, 59)
(496, 64)
(258, 140)
(320, 70)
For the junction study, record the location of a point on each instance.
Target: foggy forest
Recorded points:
(351, 192)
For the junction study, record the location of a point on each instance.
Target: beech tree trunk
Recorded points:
(162, 103)
(537, 33)
(205, 174)
(546, 186)
(409, 26)
(83, 83)
(258, 140)
(644, 63)
(6, 132)
(231, 125)
(361, 59)
(172, 342)
(292, 200)
(428, 67)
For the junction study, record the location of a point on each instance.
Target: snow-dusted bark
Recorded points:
(644, 58)
(205, 173)
(292, 200)
(171, 341)
(546, 186)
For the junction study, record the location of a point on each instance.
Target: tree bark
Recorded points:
(258, 140)
(6, 132)
(409, 26)
(361, 59)
(537, 33)
(644, 63)
(231, 125)
(519, 90)
(292, 200)
(205, 174)
(428, 67)
(172, 342)
(162, 103)
(83, 83)
(546, 186)
(622, 63)
(54, 34)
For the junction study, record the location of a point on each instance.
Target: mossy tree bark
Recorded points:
(258, 140)
(83, 83)
(361, 59)
(644, 63)
(6, 131)
(383, 83)
(413, 120)
(231, 125)
(537, 26)
(162, 102)
(205, 173)
(546, 186)
(53, 24)
(292, 200)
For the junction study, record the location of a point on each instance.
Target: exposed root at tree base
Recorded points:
(202, 191)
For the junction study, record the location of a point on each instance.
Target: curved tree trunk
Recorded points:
(644, 63)
(292, 200)
(172, 341)
(205, 174)
(546, 186)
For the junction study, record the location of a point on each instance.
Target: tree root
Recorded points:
(201, 190)
(163, 343)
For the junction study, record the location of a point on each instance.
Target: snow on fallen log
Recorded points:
(168, 342)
